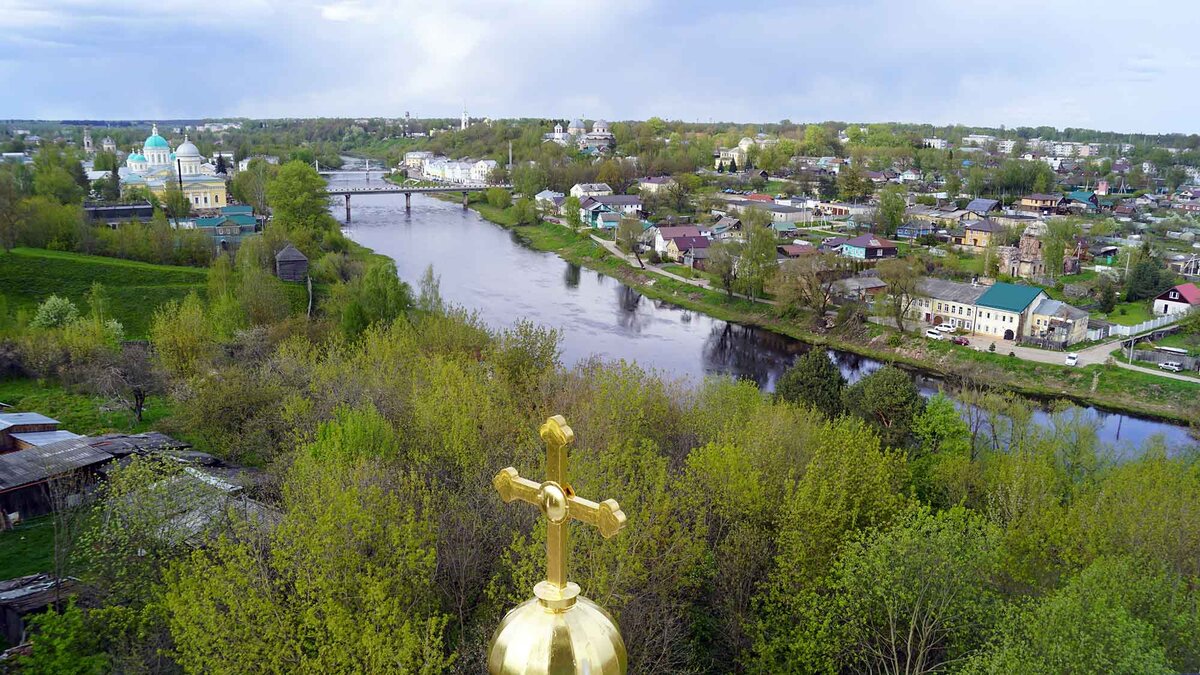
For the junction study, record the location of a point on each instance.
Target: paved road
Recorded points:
(1096, 354)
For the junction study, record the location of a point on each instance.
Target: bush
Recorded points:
(992, 348)
(55, 312)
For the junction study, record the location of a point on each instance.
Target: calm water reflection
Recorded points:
(484, 268)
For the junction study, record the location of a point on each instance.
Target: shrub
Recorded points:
(55, 312)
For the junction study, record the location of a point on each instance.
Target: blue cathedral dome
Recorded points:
(156, 141)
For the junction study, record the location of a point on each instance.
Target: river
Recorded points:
(485, 268)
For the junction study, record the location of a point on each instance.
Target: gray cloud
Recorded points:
(1020, 63)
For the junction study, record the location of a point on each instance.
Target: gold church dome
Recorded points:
(534, 639)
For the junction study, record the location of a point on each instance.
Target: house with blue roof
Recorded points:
(1005, 309)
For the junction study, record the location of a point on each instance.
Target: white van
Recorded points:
(933, 334)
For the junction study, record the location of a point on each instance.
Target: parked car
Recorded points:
(960, 340)
(1171, 366)
(946, 328)
(934, 335)
(1072, 359)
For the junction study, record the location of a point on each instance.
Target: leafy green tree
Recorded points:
(498, 198)
(723, 258)
(733, 167)
(182, 337)
(1107, 295)
(891, 210)
(176, 204)
(344, 582)
(299, 204)
(757, 265)
(918, 597)
(850, 483)
(1112, 618)
(903, 279)
(54, 177)
(526, 212)
(813, 380)
(61, 643)
(629, 231)
(250, 186)
(570, 209)
(377, 297)
(1146, 277)
(889, 401)
(55, 312)
(807, 282)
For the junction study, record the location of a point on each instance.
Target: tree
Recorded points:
(629, 231)
(723, 259)
(182, 337)
(127, 377)
(498, 198)
(903, 279)
(757, 265)
(1114, 617)
(221, 168)
(806, 283)
(953, 185)
(344, 583)
(852, 184)
(1060, 234)
(889, 401)
(377, 297)
(814, 380)
(1146, 276)
(176, 204)
(918, 597)
(1107, 295)
(55, 176)
(891, 211)
(526, 212)
(250, 186)
(300, 205)
(570, 209)
(55, 312)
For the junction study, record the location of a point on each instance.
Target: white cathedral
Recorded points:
(158, 168)
(598, 139)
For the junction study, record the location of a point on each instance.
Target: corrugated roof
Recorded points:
(1008, 297)
(38, 438)
(34, 465)
(24, 418)
(953, 291)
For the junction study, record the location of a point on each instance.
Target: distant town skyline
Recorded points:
(1069, 64)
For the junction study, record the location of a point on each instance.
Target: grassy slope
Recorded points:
(28, 276)
(27, 548)
(80, 413)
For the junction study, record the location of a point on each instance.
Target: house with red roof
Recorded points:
(1178, 299)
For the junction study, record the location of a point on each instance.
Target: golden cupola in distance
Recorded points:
(558, 631)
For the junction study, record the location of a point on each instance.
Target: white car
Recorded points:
(1172, 366)
(1072, 359)
(934, 335)
(946, 328)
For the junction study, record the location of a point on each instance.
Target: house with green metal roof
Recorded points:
(1004, 310)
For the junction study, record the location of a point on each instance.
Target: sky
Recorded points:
(1118, 66)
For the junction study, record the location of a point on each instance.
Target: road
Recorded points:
(1094, 355)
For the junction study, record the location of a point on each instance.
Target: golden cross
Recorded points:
(560, 505)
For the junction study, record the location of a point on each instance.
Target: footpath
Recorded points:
(632, 260)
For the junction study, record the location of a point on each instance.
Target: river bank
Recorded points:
(1106, 387)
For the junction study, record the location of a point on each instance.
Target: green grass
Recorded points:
(1181, 341)
(28, 548)
(79, 413)
(1134, 313)
(681, 270)
(28, 276)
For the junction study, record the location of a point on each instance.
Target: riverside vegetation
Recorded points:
(824, 528)
(1107, 386)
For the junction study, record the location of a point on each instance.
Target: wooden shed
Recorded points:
(291, 264)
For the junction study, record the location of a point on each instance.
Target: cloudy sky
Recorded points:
(1121, 66)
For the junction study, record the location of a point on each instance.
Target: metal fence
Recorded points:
(1144, 326)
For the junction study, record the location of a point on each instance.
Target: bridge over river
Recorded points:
(347, 189)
